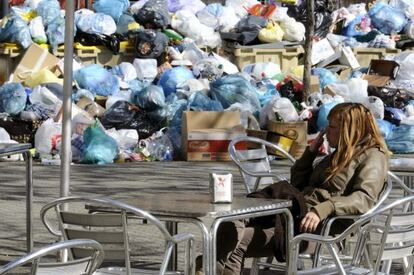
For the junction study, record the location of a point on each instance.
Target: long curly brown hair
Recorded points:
(359, 132)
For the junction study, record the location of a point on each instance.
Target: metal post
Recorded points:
(67, 100)
(4, 8)
(29, 201)
(172, 227)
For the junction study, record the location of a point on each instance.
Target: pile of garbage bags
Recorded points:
(133, 111)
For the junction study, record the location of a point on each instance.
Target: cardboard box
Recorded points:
(321, 50)
(348, 58)
(297, 131)
(380, 72)
(328, 90)
(34, 59)
(275, 138)
(314, 84)
(206, 135)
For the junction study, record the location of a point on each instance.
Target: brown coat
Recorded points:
(354, 190)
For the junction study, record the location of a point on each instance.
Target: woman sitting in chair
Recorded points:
(347, 181)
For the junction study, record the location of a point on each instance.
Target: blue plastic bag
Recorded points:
(172, 77)
(12, 98)
(113, 8)
(175, 108)
(55, 32)
(265, 96)
(326, 77)
(385, 128)
(95, 23)
(97, 80)
(322, 121)
(149, 98)
(232, 89)
(387, 19)
(401, 140)
(48, 10)
(123, 23)
(200, 102)
(353, 28)
(99, 147)
(16, 30)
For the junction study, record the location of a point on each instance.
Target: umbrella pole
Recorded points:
(67, 100)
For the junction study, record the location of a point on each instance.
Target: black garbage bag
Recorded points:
(322, 15)
(149, 43)
(112, 41)
(391, 97)
(124, 115)
(246, 31)
(154, 15)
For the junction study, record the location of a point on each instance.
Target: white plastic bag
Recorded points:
(352, 90)
(80, 122)
(125, 95)
(188, 24)
(37, 30)
(126, 71)
(241, 6)
(47, 136)
(376, 106)
(146, 69)
(5, 137)
(228, 20)
(280, 105)
(260, 70)
(193, 53)
(43, 96)
(125, 138)
(294, 31)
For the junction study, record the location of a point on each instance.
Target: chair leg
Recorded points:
(254, 270)
(189, 258)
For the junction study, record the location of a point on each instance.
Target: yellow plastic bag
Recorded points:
(297, 71)
(272, 33)
(42, 76)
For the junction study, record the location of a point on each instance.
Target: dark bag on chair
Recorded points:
(281, 190)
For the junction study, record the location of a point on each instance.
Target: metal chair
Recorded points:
(327, 223)
(254, 167)
(254, 164)
(396, 241)
(400, 189)
(92, 259)
(111, 229)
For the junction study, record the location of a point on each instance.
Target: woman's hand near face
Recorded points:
(310, 222)
(317, 142)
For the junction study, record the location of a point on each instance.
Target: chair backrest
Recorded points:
(395, 228)
(404, 190)
(86, 265)
(253, 164)
(110, 229)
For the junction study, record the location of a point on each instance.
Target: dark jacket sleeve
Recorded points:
(301, 171)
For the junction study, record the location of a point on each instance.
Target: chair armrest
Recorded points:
(182, 237)
(315, 238)
(326, 229)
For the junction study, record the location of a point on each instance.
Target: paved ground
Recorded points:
(116, 181)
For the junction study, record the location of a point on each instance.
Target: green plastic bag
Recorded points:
(99, 147)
